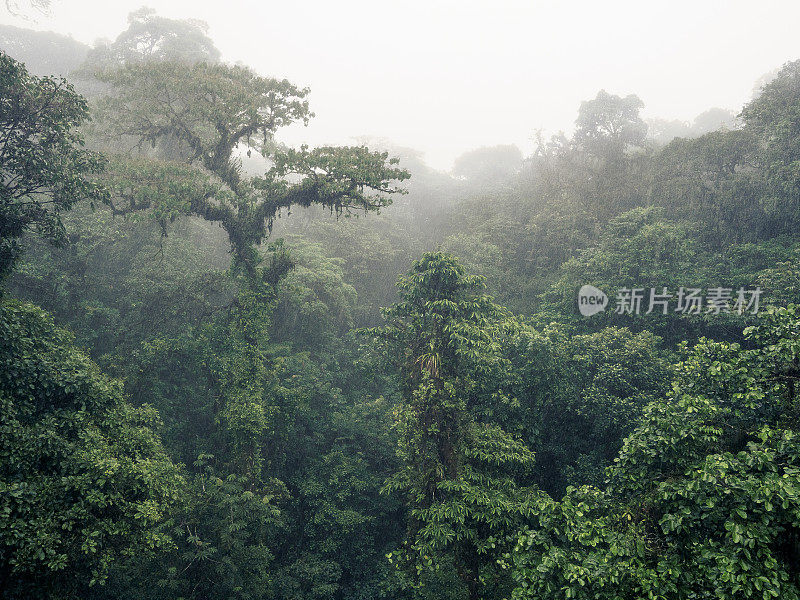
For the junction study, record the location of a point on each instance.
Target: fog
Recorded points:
(445, 77)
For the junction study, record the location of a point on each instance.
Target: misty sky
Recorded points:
(447, 76)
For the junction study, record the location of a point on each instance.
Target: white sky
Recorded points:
(447, 76)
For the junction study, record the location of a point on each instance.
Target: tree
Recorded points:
(315, 304)
(772, 119)
(594, 386)
(704, 498)
(42, 52)
(713, 119)
(609, 125)
(458, 467)
(84, 481)
(45, 171)
(153, 38)
(214, 110)
(220, 381)
(709, 180)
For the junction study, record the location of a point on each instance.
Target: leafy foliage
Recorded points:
(704, 498)
(666, 445)
(212, 110)
(84, 481)
(458, 472)
(44, 168)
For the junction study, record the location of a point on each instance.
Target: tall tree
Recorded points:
(150, 37)
(225, 368)
(459, 468)
(215, 110)
(44, 168)
(610, 125)
(773, 119)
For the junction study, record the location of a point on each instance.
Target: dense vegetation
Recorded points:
(234, 369)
